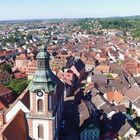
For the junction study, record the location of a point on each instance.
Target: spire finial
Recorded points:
(42, 48)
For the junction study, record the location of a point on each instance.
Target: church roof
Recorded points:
(45, 81)
(4, 90)
(44, 78)
(15, 127)
(42, 53)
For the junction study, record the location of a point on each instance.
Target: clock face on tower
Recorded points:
(39, 93)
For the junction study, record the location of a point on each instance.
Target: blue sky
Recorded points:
(33, 9)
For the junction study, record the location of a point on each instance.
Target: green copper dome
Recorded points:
(44, 78)
(42, 53)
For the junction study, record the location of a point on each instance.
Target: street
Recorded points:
(70, 130)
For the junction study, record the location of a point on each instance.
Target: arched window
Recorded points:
(40, 132)
(40, 105)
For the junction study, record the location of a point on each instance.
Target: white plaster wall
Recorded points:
(45, 124)
(137, 109)
(75, 71)
(19, 105)
(89, 79)
(111, 114)
(131, 131)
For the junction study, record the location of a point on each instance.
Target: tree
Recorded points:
(29, 37)
(18, 85)
(109, 76)
(120, 62)
(11, 39)
(136, 33)
(8, 68)
(137, 123)
(122, 138)
(116, 23)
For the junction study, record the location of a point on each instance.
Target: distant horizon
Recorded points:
(53, 18)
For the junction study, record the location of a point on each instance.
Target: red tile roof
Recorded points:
(4, 90)
(3, 106)
(21, 56)
(16, 128)
(133, 93)
(20, 75)
(4, 75)
(115, 96)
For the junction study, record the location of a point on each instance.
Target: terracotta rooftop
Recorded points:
(4, 90)
(83, 113)
(20, 75)
(16, 128)
(24, 98)
(4, 75)
(98, 100)
(124, 129)
(3, 105)
(114, 96)
(133, 93)
(103, 68)
(21, 56)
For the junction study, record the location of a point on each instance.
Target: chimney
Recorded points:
(1, 118)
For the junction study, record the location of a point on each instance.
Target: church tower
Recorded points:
(46, 101)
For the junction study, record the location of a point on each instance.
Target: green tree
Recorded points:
(109, 76)
(29, 37)
(8, 68)
(11, 39)
(136, 33)
(120, 62)
(18, 85)
(137, 122)
(116, 23)
(122, 138)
